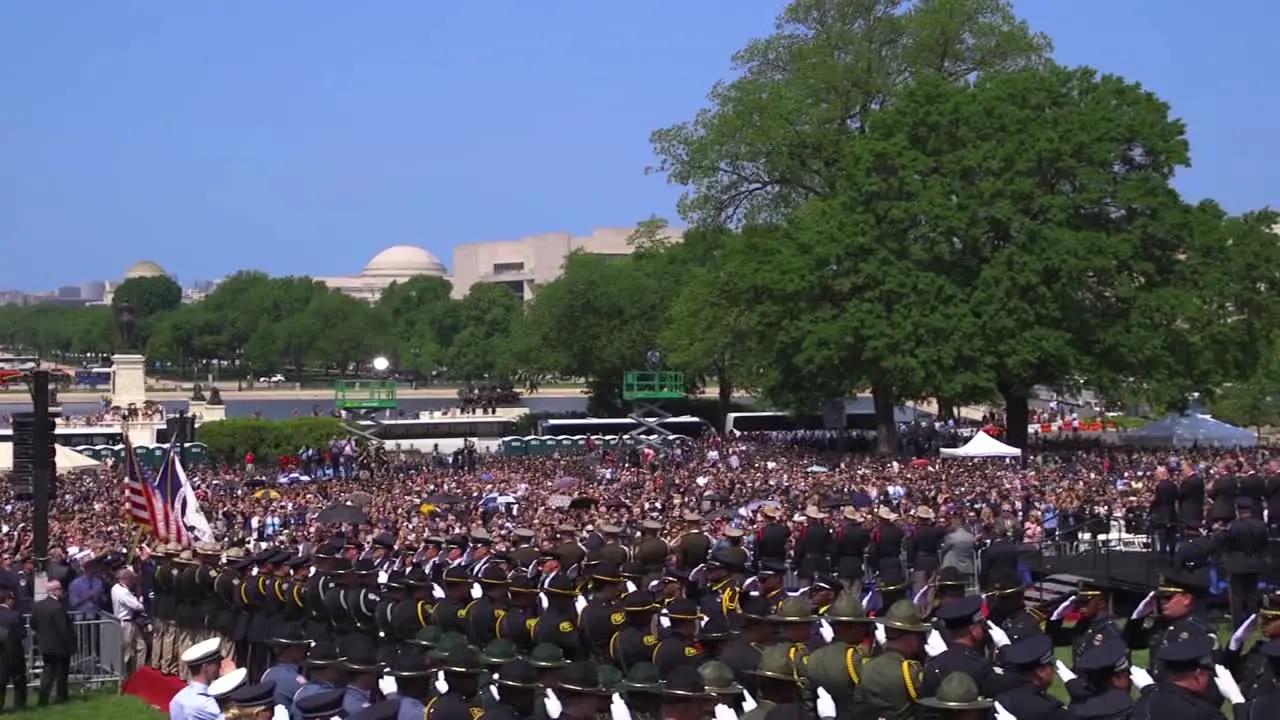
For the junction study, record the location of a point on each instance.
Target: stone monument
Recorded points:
(207, 409)
(128, 365)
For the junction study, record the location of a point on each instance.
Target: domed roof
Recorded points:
(403, 261)
(142, 269)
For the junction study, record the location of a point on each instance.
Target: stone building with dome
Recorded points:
(395, 264)
(140, 269)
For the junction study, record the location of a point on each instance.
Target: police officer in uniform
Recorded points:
(1093, 605)
(450, 612)
(517, 623)
(524, 555)
(1029, 662)
(1251, 669)
(681, 646)
(1104, 687)
(290, 644)
(891, 681)
(1007, 606)
(319, 582)
(923, 547)
(964, 630)
(814, 546)
(323, 671)
(558, 623)
(885, 551)
(837, 664)
(651, 551)
(1264, 704)
(384, 545)
(186, 615)
(634, 643)
(1168, 612)
(742, 653)
(414, 612)
(391, 594)
(163, 608)
(851, 542)
(602, 615)
(693, 547)
(483, 613)
(1186, 687)
(570, 552)
(613, 551)
(1244, 549)
(414, 680)
(771, 538)
(334, 599)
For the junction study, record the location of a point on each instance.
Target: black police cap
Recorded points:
(1109, 654)
(682, 609)
(1187, 648)
(639, 601)
(253, 695)
(324, 704)
(1029, 652)
(960, 612)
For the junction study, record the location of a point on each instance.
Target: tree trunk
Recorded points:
(725, 395)
(884, 400)
(946, 409)
(1017, 410)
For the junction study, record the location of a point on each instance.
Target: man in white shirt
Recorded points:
(204, 663)
(129, 610)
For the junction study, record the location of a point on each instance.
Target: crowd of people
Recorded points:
(788, 511)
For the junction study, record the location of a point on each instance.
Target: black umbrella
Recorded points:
(616, 504)
(443, 499)
(722, 513)
(342, 514)
(582, 503)
(835, 502)
(715, 497)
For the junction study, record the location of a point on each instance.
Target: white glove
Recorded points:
(824, 629)
(579, 603)
(934, 645)
(1002, 714)
(493, 690)
(387, 686)
(826, 704)
(1063, 609)
(999, 637)
(442, 687)
(437, 592)
(631, 587)
(552, 704)
(1227, 685)
(1064, 673)
(1244, 632)
(748, 702)
(279, 713)
(1140, 677)
(618, 709)
(881, 636)
(476, 592)
(921, 598)
(663, 620)
(383, 575)
(866, 598)
(723, 712)
(1145, 608)
(542, 600)
(696, 573)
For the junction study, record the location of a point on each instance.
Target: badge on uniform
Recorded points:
(476, 713)
(566, 626)
(691, 651)
(462, 613)
(617, 618)
(651, 640)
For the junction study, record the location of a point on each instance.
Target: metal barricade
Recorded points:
(99, 657)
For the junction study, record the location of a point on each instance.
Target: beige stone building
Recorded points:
(521, 265)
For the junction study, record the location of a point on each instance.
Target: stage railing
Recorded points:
(99, 657)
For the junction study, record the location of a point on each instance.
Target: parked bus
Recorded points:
(686, 425)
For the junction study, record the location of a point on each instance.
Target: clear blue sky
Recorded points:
(302, 136)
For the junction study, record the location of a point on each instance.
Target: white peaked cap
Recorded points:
(228, 683)
(202, 652)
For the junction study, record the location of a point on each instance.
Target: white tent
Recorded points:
(982, 445)
(64, 457)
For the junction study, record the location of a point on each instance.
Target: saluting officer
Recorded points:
(1030, 662)
(480, 545)
(363, 598)
(693, 546)
(1093, 606)
(1252, 669)
(1186, 688)
(1170, 611)
(383, 546)
(837, 664)
(1007, 606)
(449, 614)
(414, 612)
(557, 625)
(1264, 705)
(521, 613)
(652, 551)
(891, 681)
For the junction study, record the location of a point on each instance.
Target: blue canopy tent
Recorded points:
(1187, 430)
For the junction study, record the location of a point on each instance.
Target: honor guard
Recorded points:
(742, 654)
(1263, 704)
(483, 613)
(569, 551)
(319, 581)
(164, 607)
(1254, 672)
(852, 539)
(1093, 610)
(772, 537)
(323, 670)
(1187, 688)
(226, 585)
(837, 664)
(1029, 662)
(360, 660)
(768, 582)
(391, 593)
(290, 644)
(923, 549)
(693, 547)
(334, 599)
(776, 685)
(494, 655)
(320, 705)
(414, 612)
(957, 697)
(517, 623)
(964, 630)
(449, 614)
(824, 590)
(613, 551)
(481, 547)
(1007, 606)
(558, 623)
(414, 680)
(814, 545)
(720, 598)
(524, 555)
(652, 551)
(602, 615)
(1168, 612)
(635, 642)
(363, 598)
(681, 646)
(186, 615)
(891, 681)
(384, 545)
(1103, 687)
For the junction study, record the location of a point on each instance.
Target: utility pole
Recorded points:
(35, 469)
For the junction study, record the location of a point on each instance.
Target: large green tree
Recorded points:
(149, 296)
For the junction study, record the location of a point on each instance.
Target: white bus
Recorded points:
(686, 425)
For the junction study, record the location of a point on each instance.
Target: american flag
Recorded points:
(138, 492)
(171, 501)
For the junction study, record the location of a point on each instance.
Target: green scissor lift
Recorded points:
(361, 401)
(646, 390)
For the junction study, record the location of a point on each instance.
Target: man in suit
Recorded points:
(1190, 496)
(1164, 514)
(13, 657)
(55, 637)
(957, 549)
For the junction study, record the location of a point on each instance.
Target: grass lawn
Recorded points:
(95, 706)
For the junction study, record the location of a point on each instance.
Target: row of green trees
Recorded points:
(911, 197)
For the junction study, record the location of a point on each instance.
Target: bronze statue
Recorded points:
(215, 396)
(127, 327)
(197, 393)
